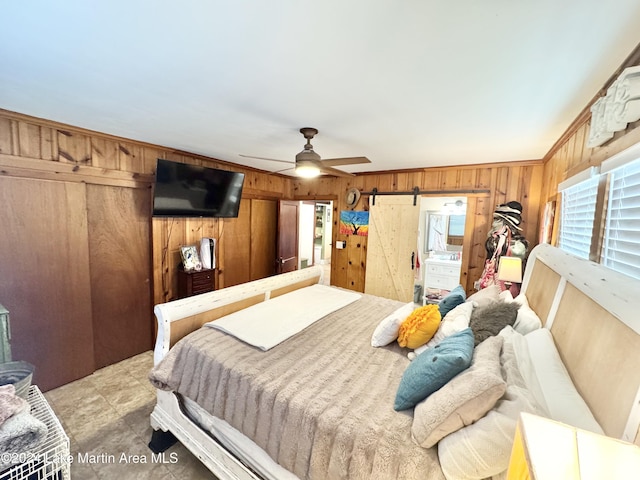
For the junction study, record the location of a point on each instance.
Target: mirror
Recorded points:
(437, 232)
(444, 220)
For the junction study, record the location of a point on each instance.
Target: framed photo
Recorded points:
(190, 258)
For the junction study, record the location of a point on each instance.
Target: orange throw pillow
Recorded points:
(418, 328)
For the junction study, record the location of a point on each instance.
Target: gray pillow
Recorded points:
(488, 320)
(464, 399)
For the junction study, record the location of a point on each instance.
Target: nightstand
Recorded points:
(195, 282)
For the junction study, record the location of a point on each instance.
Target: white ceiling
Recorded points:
(407, 83)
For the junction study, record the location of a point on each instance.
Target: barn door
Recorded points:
(287, 250)
(392, 247)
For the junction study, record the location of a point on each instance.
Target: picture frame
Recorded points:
(546, 230)
(190, 258)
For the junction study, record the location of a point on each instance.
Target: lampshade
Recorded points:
(510, 269)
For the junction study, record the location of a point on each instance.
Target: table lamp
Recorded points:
(510, 270)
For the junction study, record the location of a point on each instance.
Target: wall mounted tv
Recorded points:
(183, 190)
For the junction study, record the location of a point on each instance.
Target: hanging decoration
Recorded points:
(619, 107)
(504, 238)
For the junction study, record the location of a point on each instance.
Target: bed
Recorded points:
(288, 411)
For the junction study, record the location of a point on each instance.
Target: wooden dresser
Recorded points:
(195, 282)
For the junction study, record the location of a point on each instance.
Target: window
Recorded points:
(621, 246)
(578, 213)
(456, 225)
(618, 246)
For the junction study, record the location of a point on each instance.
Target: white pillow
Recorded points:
(387, 330)
(563, 401)
(506, 296)
(483, 449)
(525, 365)
(485, 296)
(455, 321)
(521, 298)
(527, 320)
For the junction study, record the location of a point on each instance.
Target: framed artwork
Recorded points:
(190, 258)
(354, 223)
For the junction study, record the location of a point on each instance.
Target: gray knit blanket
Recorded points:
(20, 434)
(320, 403)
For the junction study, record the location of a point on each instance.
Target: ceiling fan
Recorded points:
(309, 164)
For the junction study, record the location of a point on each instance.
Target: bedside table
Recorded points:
(195, 282)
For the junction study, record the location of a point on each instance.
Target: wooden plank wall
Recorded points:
(45, 280)
(119, 256)
(76, 154)
(495, 183)
(101, 166)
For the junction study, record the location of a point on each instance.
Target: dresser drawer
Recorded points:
(442, 274)
(437, 269)
(442, 282)
(201, 278)
(195, 283)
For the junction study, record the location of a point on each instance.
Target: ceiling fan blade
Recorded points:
(334, 171)
(332, 162)
(269, 159)
(285, 170)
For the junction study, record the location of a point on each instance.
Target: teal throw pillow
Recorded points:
(432, 369)
(454, 298)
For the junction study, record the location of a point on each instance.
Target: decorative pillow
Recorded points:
(387, 330)
(418, 328)
(483, 449)
(525, 364)
(455, 321)
(464, 399)
(490, 319)
(506, 296)
(485, 296)
(454, 298)
(527, 320)
(564, 402)
(435, 367)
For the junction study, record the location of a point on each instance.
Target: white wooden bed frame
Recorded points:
(587, 307)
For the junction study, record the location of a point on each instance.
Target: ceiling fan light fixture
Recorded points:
(307, 171)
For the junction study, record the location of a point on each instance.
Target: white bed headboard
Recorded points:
(593, 313)
(181, 317)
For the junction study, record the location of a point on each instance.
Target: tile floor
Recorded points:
(106, 416)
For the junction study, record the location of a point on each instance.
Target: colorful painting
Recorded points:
(354, 223)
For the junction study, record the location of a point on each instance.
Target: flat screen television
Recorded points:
(183, 190)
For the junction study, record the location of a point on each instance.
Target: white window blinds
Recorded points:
(577, 216)
(621, 249)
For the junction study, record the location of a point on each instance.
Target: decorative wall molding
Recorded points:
(620, 106)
